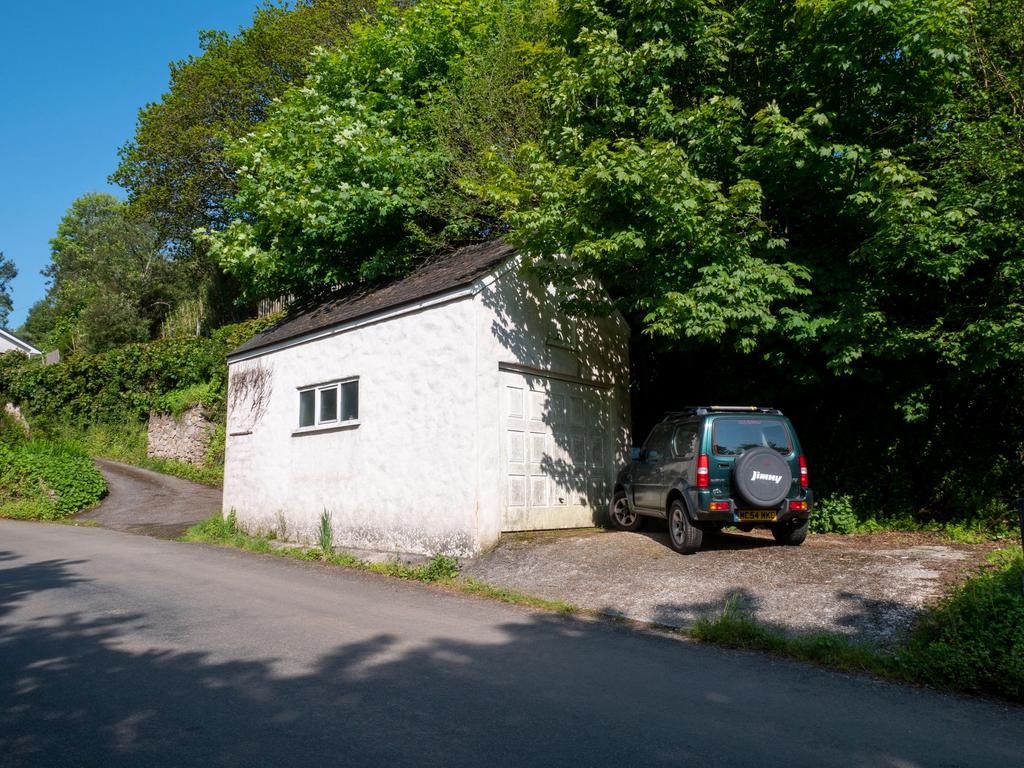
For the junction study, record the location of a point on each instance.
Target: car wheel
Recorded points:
(622, 517)
(791, 534)
(683, 536)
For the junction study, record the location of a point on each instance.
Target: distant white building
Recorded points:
(11, 343)
(431, 414)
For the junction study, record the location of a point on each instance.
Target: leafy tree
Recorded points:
(175, 168)
(356, 175)
(110, 282)
(7, 273)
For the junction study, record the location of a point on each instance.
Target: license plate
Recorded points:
(757, 515)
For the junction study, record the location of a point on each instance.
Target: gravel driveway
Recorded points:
(867, 587)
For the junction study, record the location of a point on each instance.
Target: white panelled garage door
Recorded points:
(557, 452)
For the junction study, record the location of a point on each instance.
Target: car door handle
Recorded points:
(723, 466)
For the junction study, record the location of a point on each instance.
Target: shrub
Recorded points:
(47, 480)
(11, 430)
(973, 640)
(834, 514)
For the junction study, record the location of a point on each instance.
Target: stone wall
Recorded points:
(185, 438)
(15, 413)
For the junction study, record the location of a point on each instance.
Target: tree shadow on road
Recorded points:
(76, 690)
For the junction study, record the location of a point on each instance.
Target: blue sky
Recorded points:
(72, 78)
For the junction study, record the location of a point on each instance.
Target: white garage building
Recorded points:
(431, 414)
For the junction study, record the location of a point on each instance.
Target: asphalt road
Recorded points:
(146, 502)
(121, 650)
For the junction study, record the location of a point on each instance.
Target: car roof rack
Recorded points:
(704, 410)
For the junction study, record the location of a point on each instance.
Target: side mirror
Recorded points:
(636, 454)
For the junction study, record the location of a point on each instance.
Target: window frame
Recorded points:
(323, 425)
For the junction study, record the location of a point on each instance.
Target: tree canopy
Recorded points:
(830, 187)
(363, 169)
(7, 273)
(110, 283)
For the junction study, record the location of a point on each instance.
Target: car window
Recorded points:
(684, 442)
(659, 440)
(731, 437)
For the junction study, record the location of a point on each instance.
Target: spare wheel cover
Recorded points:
(762, 477)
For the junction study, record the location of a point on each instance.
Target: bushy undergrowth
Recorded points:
(839, 513)
(46, 480)
(129, 381)
(99, 403)
(125, 441)
(973, 640)
(834, 514)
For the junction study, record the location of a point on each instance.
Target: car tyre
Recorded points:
(621, 516)
(790, 534)
(683, 536)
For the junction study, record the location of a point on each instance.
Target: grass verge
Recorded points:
(440, 570)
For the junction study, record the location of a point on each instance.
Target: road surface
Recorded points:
(146, 502)
(121, 650)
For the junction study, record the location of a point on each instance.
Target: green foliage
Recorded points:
(325, 533)
(834, 514)
(973, 640)
(12, 431)
(177, 401)
(355, 175)
(175, 168)
(735, 628)
(7, 273)
(110, 283)
(125, 382)
(47, 480)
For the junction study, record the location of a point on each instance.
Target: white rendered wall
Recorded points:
(519, 323)
(7, 346)
(403, 480)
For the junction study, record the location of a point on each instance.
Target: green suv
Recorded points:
(707, 467)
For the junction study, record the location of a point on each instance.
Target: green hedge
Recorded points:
(126, 381)
(47, 480)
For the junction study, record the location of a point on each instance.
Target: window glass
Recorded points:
(350, 400)
(307, 408)
(684, 442)
(733, 436)
(328, 404)
(658, 440)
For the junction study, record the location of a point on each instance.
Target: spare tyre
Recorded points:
(761, 477)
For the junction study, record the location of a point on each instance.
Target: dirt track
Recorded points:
(865, 587)
(145, 502)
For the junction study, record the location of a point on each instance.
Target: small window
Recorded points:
(307, 408)
(350, 400)
(684, 442)
(657, 445)
(328, 405)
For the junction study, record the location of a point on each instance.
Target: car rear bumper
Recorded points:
(734, 515)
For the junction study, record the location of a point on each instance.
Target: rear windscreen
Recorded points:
(731, 437)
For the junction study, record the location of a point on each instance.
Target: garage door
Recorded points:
(557, 452)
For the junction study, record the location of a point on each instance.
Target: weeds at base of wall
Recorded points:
(440, 570)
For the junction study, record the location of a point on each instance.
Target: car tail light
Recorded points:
(803, 471)
(703, 479)
(798, 506)
(718, 506)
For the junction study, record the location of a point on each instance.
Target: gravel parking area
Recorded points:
(867, 587)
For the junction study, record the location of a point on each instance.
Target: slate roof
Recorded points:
(440, 275)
